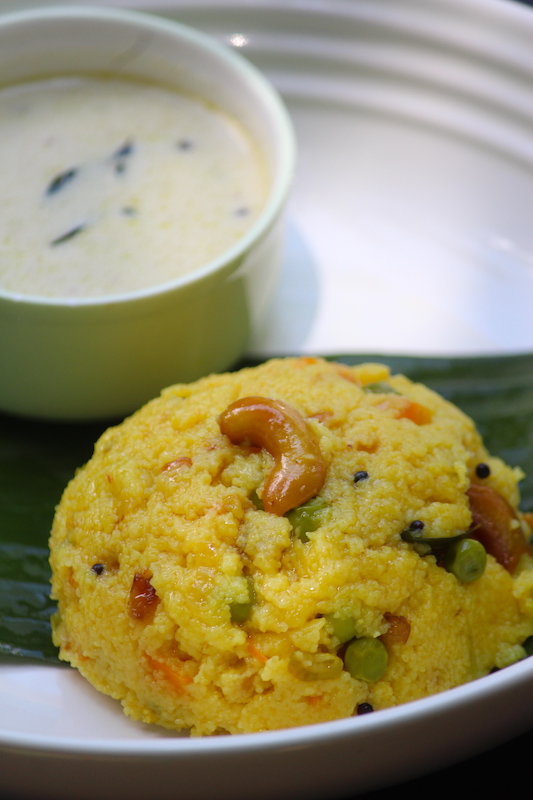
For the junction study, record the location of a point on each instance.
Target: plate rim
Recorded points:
(442, 704)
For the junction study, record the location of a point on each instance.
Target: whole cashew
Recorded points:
(299, 470)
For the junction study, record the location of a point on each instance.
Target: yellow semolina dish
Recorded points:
(289, 544)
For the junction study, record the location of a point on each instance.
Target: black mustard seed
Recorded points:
(364, 708)
(360, 476)
(98, 568)
(483, 470)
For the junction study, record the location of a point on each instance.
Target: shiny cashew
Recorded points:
(299, 470)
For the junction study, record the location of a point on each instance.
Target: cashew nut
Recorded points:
(299, 470)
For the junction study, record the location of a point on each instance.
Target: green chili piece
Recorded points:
(240, 612)
(466, 559)
(307, 517)
(380, 387)
(366, 659)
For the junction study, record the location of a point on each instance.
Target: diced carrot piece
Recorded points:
(403, 408)
(419, 414)
(304, 361)
(313, 699)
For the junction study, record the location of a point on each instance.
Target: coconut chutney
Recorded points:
(110, 186)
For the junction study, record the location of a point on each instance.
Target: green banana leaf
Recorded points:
(37, 459)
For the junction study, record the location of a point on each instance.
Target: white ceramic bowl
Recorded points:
(96, 357)
(98, 751)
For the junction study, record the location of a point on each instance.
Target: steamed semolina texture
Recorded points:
(179, 596)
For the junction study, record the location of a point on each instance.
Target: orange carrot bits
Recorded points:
(313, 699)
(255, 652)
(346, 373)
(419, 414)
(403, 408)
(178, 679)
(305, 361)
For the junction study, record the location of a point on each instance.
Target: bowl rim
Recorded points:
(425, 709)
(230, 259)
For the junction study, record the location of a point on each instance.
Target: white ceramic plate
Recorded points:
(409, 232)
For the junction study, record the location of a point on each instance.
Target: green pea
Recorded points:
(343, 627)
(466, 559)
(256, 500)
(307, 517)
(315, 666)
(366, 659)
(380, 387)
(240, 612)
